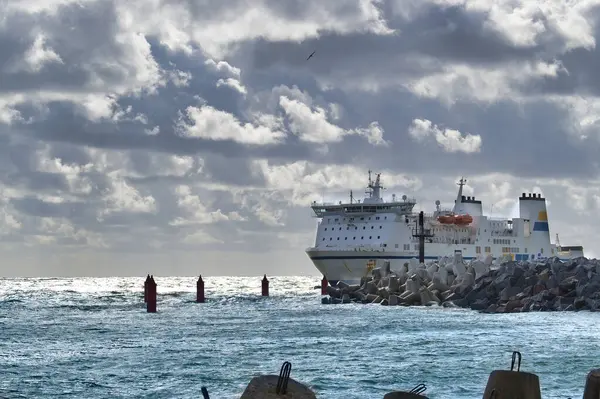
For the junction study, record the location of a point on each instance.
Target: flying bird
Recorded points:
(311, 54)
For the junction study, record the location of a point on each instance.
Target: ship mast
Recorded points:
(458, 201)
(374, 187)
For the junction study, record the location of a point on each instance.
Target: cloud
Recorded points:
(313, 126)
(137, 135)
(450, 140)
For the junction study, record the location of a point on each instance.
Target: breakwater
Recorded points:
(507, 287)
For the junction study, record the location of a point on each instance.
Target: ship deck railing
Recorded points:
(353, 249)
(341, 203)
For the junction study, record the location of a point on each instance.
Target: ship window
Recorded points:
(336, 219)
(378, 237)
(396, 246)
(362, 218)
(369, 218)
(323, 238)
(370, 237)
(347, 228)
(385, 217)
(364, 227)
(380, 226)
(330, 238)
(346, 238)
(478, 250)
(354, 238)
(416, 247)
(338, 238)
(525, 250)
(385, 245)
(372, 227)
(542, 250)
(340, 228)
(377, 218)
(356, 228)
(325, 228)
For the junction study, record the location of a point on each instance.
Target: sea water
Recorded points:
(92, 338)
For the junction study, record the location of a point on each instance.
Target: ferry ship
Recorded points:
(353, 238)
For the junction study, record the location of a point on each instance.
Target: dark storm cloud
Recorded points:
(75, 130)
(448, 34)
(82, 36)
(524, 140)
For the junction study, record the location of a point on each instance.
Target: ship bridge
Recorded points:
(372, 203)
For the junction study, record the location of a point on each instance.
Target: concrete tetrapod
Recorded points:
(403, 395)
(510, 384)
(265, 387)
(592, 385)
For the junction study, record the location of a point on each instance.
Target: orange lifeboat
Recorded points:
(463, 220)
(446, 219)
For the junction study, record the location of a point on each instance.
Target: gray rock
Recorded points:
(403, 395)
(265, 387)
(394, 284)
(371, 287)
(383, 292)
(333, 292)
(511, 287)
(376, 273)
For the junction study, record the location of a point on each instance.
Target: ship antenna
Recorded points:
(351, 197)
(370, 186)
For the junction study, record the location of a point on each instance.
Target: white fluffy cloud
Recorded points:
(449, 140)
(140, 134)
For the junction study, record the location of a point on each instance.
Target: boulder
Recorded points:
(265, 387)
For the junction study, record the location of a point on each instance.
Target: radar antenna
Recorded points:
(374, 188)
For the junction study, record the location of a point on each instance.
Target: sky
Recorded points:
(179, 137)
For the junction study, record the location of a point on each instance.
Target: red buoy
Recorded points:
(265, 286)
(146, 288)
(200, 290)
(151, 303)
(324, 286)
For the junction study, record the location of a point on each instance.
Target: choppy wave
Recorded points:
(91, 337)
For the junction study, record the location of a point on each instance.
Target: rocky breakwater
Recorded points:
(502, 287)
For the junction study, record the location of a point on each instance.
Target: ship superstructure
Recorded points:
(352, 238)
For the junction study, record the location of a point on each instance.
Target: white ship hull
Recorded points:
(350, 266)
